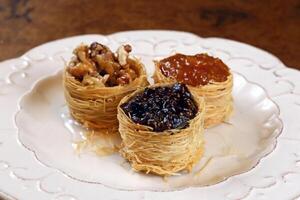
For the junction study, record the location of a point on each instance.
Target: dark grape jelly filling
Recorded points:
(162, 108)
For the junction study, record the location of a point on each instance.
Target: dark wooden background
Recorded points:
(273, 25)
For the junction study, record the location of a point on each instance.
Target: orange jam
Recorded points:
(199, 69)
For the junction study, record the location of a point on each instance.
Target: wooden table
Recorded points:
(273, 25)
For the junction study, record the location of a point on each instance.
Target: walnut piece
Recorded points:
(123, 53)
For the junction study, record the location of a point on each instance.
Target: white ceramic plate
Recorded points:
(53, 171)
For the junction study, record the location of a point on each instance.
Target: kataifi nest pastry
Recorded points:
(96, 79)
(161, 127)
(205, 76)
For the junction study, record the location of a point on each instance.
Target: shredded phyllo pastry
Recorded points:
(158, 148)
(102, 143)
(204, 75)
(95, 81)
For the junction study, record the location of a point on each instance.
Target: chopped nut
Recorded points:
(127, 48)
(123, 54)
(132, 74)
(123, 79)
(90, 80)
(99, 64)
(79, 70)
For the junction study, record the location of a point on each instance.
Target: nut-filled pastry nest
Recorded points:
(96, 80)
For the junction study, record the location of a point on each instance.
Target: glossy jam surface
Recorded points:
(199, 69)
(162, 108)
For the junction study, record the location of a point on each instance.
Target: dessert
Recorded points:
(207, 76)
(161, 127)
(96, 79)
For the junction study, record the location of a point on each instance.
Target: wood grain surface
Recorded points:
(273, 25)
